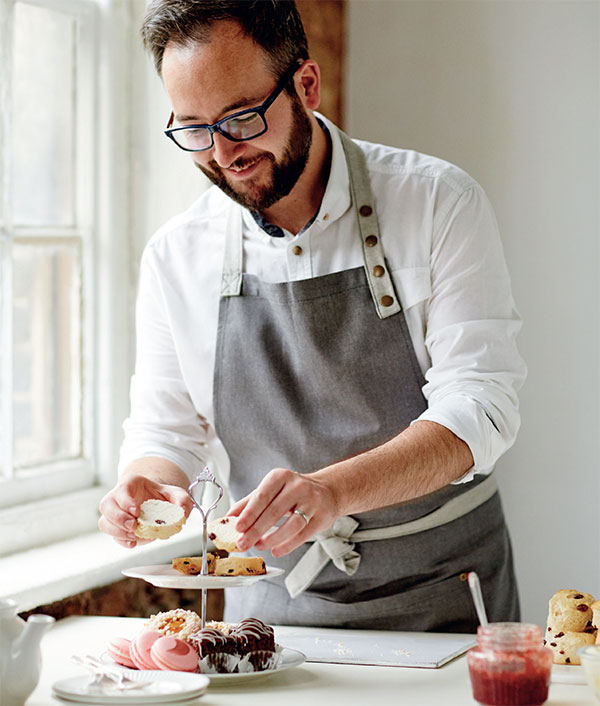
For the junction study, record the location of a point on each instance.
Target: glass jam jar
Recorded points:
(510, 666)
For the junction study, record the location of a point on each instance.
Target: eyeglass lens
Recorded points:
(240, 127)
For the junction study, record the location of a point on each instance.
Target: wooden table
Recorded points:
(311, 684)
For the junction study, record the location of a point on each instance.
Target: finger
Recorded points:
(261, 498)
(289, 530)
(237, 507)
(296, 540)
(178, 496)
(115, 515)
(278, 508)
(120, 534)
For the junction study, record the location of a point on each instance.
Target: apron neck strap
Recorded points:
(380, 283)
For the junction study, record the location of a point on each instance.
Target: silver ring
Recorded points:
(303, 515)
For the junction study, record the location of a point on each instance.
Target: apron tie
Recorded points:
(337, 543)
(330, 545)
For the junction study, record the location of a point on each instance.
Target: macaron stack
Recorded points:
(570, 625)
(153, 650)
(174, 641)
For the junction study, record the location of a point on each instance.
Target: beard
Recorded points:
(284, 172)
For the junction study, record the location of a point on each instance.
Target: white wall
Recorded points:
(510, 92)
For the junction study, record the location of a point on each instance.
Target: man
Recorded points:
(332, 331)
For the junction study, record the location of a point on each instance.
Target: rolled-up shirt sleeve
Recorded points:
(470, 332)
(163, 420)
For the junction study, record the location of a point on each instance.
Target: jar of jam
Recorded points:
(510, 666)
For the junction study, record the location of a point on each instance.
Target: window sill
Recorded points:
(54, 572)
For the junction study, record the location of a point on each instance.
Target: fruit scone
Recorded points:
(224, 536)
(159, 519)
(570, 625)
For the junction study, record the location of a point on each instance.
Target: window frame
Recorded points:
(71, 489)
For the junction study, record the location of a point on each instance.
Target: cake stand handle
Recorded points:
(205, 476)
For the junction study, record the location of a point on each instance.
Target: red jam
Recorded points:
(510, 666)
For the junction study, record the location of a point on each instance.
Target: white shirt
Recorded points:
(443, 250)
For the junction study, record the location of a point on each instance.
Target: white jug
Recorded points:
(20, 656)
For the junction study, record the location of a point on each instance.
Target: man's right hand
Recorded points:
(120, 507)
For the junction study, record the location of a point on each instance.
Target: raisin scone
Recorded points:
(192, 565)
(223, 534)
(570, 610)
(240, 566)
(159, 519)
(564, 644)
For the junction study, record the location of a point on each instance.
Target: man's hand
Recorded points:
(280, 493)
(121, 506)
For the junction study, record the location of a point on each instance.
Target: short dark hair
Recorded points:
(275, 25)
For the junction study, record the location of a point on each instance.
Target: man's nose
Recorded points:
(225, 151)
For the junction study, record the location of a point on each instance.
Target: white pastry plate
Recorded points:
(160, 688)
(165, 576)
(567, 674)
(289, 658)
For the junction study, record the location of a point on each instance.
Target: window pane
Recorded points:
(47, 357)
(43, 117)
(5, 412)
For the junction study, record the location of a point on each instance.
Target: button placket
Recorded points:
(298, 259)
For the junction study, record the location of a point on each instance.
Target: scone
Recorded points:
(564, 645)
(570, 610)
(223, 534)
(192, 565)
(159, 520)
(240, 566)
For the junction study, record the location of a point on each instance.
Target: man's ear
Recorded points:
(308, 84)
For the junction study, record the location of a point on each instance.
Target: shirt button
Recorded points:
(370, 241)
(365, 210)
(297, 250)
(386, 300)
(378, 271)
(325, 216)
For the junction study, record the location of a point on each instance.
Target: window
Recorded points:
(48, 244)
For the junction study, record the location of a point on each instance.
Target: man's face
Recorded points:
(207, 82)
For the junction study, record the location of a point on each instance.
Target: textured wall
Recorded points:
(325, 26)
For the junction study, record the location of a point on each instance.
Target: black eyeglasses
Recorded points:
(238, 127)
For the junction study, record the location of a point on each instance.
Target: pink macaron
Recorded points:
(140, 649)
(171, 653)
(119, 650)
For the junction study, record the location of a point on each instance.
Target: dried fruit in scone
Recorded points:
(595, 619)
(223, 534)
(570, 610)
(159, 519)
(564, 644)
(179, 623)
(192, 565)
(240, 566)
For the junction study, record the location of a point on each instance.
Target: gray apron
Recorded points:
(311, 372)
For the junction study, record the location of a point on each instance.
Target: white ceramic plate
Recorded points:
(161, 688)
(289, 658)
(567, 674)
(165, 576)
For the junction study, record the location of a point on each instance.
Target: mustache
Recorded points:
(241, 163)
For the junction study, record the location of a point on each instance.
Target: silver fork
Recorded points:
(103, 675)
(205, 476)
